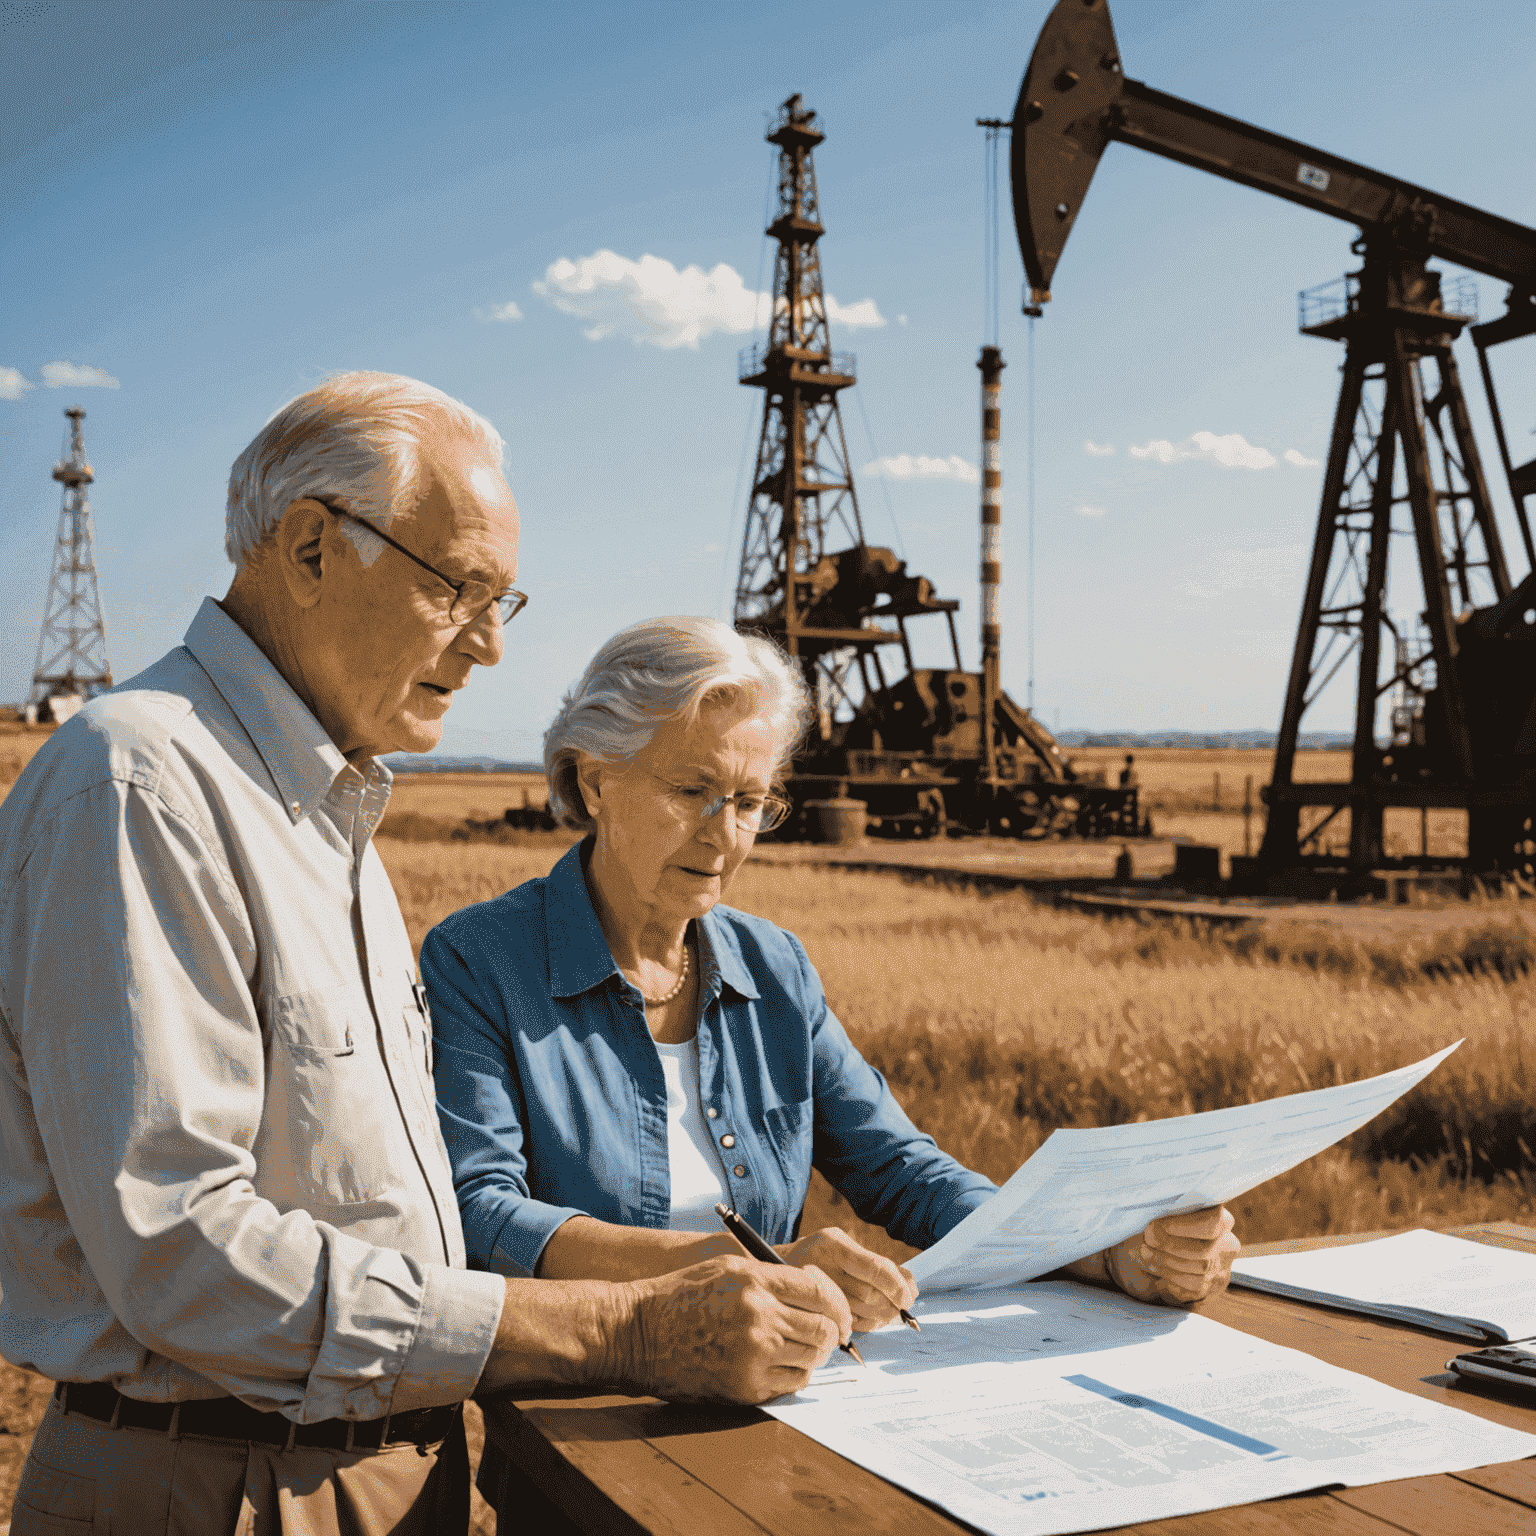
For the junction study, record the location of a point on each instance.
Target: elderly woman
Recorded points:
(617, 1051)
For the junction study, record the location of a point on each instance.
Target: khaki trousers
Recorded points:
(84, 1478)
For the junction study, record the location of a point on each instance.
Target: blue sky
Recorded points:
(216, 206)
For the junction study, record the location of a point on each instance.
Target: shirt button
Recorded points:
(712, 1112)
(739, 1171)
(727, 1141)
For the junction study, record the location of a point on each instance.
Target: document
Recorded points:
(1053, 1408)
(1446, 1283)
(1087, 1190)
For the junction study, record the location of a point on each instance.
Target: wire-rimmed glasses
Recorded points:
(470, 598)
(753, 812)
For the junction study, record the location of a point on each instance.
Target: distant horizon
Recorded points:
(1309, 741)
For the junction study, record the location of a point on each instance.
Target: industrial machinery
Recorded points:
(931, 749)
(1463, 683)
(71, 666)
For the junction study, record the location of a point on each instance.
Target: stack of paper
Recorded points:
(1056, 1407)
(1445, 1283)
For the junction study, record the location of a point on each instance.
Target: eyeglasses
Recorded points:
(753, 812)
(470, 598)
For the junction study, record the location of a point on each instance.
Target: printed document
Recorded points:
(1425, 1278)
(1053, 1408)
(1087, 1190)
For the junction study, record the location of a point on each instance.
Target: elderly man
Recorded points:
(228, 1227)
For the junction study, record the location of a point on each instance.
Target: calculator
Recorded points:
(1512, 1364)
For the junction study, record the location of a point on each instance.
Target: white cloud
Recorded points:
(1087, 511)
(909, 466)
(1300, 460)
(77, 376)
(1099, 450)
(857, 317)
(14, 384)
(507, 311)
(901, 319)
(1233, 451)
(651, 301)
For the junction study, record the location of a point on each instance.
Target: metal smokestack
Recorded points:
(991, 365)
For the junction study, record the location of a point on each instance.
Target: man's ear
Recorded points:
(302, 549)
(589, 775)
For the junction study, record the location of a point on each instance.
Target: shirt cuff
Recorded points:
(455, 1329)
(520, 1243)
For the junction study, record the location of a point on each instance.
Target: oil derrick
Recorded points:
(1399, 436)
(72, 647)
(807, 578)
(931, 749)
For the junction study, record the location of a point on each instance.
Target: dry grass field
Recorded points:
(997, 1019)
(1198, 793)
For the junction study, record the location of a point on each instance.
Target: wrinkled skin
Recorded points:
(873, 1286)
(1179, 1260)
(730, 1330)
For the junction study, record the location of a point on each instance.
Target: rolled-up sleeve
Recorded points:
(889, 1171)
(480, 1109)
(128, 961)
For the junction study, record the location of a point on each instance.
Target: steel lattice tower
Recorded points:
(72, 647)
(804, 506)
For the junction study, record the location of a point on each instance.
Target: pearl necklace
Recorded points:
(656, 1002)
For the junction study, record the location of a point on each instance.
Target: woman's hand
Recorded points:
(1178, 1260)
(876, 1288)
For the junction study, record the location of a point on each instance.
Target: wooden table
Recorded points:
(630, 1465)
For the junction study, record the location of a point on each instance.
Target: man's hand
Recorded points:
(1178, 1260)
(876, 1289)
(728, 1330)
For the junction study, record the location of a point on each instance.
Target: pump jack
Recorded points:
(1468, 736)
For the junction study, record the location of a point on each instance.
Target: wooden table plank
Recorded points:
(1431, 1506)
(1514, 1479)
(1302, 1514)
(600, 1473)
(744, 1458)
(631, 1466)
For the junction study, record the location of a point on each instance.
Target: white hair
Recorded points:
(354, 439)
(662, 670)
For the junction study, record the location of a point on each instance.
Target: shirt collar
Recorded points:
(579, 957)
(303, 761)
(720, 948)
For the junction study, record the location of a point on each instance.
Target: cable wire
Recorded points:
(1029, 565)
(874, 453)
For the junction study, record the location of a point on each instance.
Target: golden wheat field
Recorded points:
(1198, 793)
(997, 1019)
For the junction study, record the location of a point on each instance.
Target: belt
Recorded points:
(227, 1418)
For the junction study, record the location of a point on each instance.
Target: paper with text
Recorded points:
(1424, 1278)
(1087, 1190)
(1054, 1408)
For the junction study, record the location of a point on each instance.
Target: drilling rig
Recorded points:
(1462, 682)
(926, 750)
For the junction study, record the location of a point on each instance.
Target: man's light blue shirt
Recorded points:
(553, 1102)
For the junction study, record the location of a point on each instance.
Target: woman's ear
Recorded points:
(589, 776)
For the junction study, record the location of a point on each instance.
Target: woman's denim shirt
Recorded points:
(553, 1103)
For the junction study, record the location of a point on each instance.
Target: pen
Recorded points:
(744, 1233)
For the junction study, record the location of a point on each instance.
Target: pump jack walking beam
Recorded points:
(1074, 101)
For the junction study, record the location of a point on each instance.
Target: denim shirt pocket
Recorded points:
(790, 1130)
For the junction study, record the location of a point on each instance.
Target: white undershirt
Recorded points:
(697, 1173)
